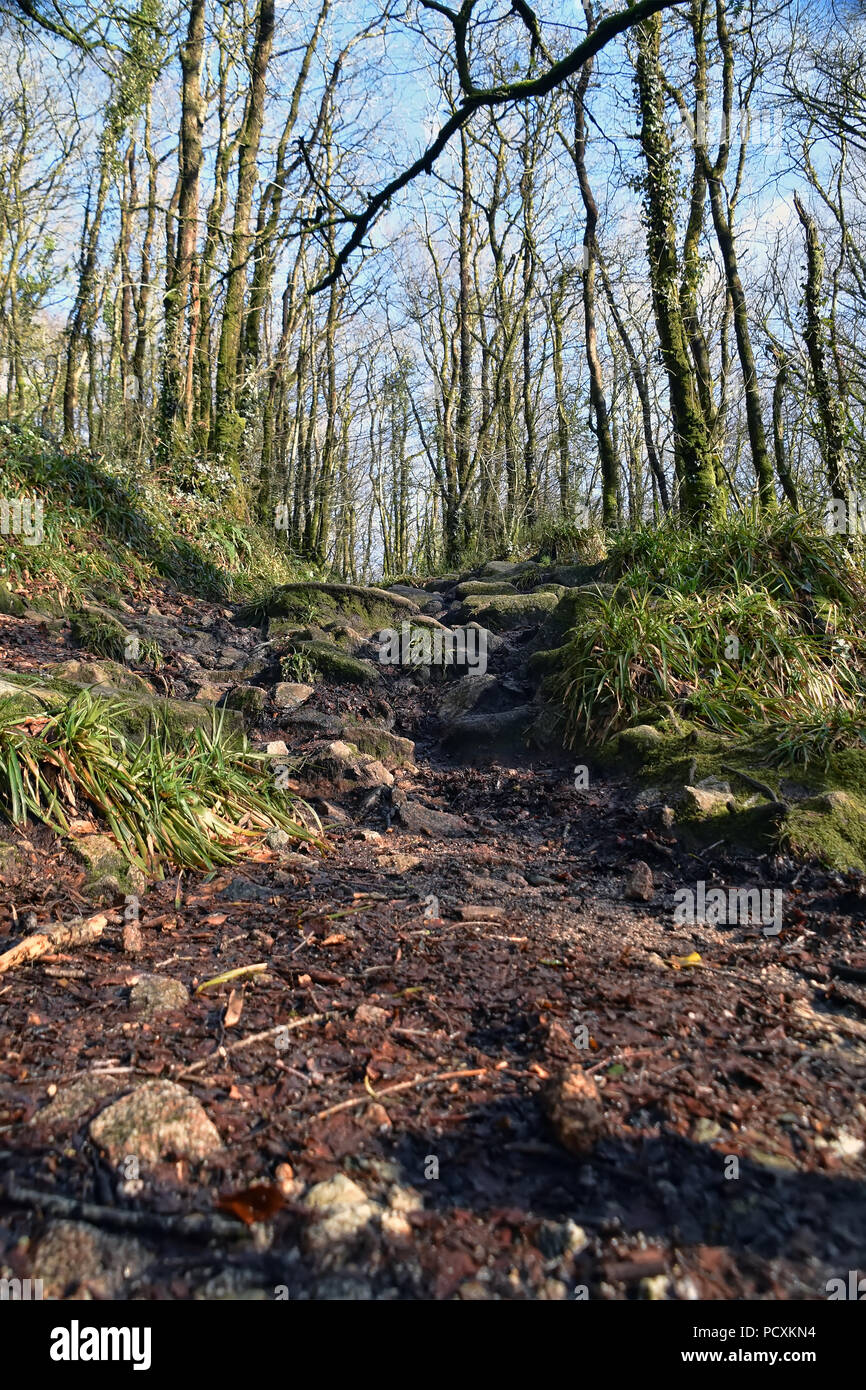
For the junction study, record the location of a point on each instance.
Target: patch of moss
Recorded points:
(389, 748)
(99, 632)
(830, 827)
(336, 665)
(484, 586)
(248, 700)
(306, 604)
(509, 611)
(12, 604)
(14, 707)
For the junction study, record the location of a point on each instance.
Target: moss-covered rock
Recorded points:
(830, 827)
(99, 631)
(484, 586)
(111, 674)
(442, 583)
(12, 604)
(334, 664)
(107, 866)
(249, 700)
(575, 576)
(17, 704)
(389, 748)
(365, 610)
(510, 569)
(507, 612)
(639, 742)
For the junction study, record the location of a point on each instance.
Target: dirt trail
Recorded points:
(380, 1087)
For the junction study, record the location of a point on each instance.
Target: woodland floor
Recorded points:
(757, 1052)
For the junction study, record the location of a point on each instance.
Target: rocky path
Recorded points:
(467, 1054)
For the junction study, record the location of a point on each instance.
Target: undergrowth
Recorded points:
(192, 806)
(756, 628)
(105, 531)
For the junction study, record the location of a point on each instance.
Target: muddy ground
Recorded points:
(377, 1121)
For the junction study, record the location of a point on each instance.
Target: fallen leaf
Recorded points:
(682, 962)
(252, 1204)
(234, 1008)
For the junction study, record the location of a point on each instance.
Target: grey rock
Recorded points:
(157, 1120)
(75, 1255)
(639, 886)
(291, 694)
(152, 995)
(419, 819)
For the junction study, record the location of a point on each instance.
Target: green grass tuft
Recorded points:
(191, 803)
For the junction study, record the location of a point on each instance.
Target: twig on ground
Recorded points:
(198, 1226)
(401, 1086)
(253, 1038)
(78, 932)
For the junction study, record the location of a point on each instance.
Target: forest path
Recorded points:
(378, 1109)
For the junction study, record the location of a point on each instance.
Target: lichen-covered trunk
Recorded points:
(831, 409)
(699, 498)
(181, 256)
(228, 425)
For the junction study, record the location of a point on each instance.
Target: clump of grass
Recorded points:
(789, 557)
(107, 529)
(192, 806)
(747, 630)
(296, 666)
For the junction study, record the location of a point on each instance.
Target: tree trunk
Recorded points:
(692, 451)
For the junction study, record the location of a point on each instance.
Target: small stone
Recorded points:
(574, 1108)
(277, 839)
(846, 1145)
(74, 1255)
(404, 1199)
(133, 940)
(209, 692)
(639, 886)
(369, 1013)
(157, 1120)
(704, 1130)
(698, 801)
(377, 1117)
(157, 994)
(338, 1191)
(419, 819)
(395, 1225)
(373, 773)
(290, 1186)
(558, 1238)
(276, 749)
(291, 694)
(370, 837)
(478, 912)
(343, 1209)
